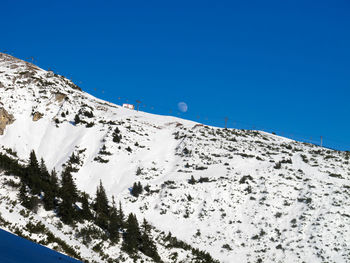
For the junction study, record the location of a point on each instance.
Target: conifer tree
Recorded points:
(134, 190)
(49, 199)
(121, 215)
(192, 180)
(76, 119)
(68, 193)
(137, 189)
(132, 236)
(85, 212)
(148, 246)
(101, 207)
(116, 135)
(114, 224)
(33, 161)
(29, 202)
(45, 182)
(32, 176)
(23, 195)
(74, 158)
(51, 190)
(10, 165)
(140, 188)
(54, 182)
(43, 170)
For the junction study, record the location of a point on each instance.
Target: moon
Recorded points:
(182, 106)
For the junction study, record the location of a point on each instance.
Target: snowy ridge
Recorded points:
(253, 196)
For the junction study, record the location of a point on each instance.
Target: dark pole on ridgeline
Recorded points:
(138, 104)
(226, 119)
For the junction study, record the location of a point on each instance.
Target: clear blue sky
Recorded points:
(283, 66)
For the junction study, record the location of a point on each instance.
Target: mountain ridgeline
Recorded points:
(102, 183)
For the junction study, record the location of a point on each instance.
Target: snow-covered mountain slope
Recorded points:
(243, 196)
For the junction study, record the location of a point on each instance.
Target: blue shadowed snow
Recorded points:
(14, 249)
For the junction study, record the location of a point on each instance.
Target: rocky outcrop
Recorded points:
(5, 119)
(60, 96)
(37, 116)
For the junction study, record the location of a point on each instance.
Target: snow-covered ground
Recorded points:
(256, 197)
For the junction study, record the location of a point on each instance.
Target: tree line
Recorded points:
(61, 195)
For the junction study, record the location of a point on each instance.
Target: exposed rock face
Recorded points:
(37, 116)
(59, 96)
(5, 119)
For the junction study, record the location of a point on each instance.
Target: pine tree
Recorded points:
(140, 188)
(136, 189)
(33, 161)
(74, 158)
(116, 135)
(68, 193)
(54, 183)
(45, 185)
(121, 215)
(148, 246)
(192, 180)
(51, 192)
(33, 174)
(85, 212)
(76, 119)
(43, 170)
(11, 165)
(29, 202)
(101, 207)
(114, 223)
(132, 236)
(49, 199)
(23, 196)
